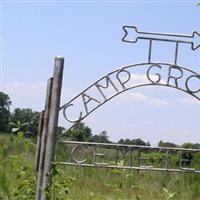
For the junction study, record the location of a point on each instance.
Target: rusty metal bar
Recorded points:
(176, 53)
(53, 123)
(147, 168)
(43, 140)
(150, 50)
(39, 137)
(89, 153)
(127, 145)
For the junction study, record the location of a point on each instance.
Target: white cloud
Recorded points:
(30, 95)
(27, 95)
(67, 95)
(184, 131)
(190, 101)
(140, 79)
(159, 102)
(140, 97)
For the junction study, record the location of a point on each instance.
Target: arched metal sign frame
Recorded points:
(181, 81)
(155, 74)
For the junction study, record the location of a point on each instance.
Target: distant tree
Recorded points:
(139, 141)
(60, 130)
(187, 145)
(124, 141)
(166, 144)
(136, 141)
(148, 144)
(102, 138)
(80, 132)
(191, 145)
(121, 141)
(26, 115)
(196, 146)
(4, 111)
(127, 141)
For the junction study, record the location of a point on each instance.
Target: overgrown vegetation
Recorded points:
(18, 177)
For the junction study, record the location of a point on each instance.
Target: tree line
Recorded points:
(24, 119)
(27, 120)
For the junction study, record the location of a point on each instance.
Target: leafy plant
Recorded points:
(168, 195)
(60, 187)
(18, 126)
(27, 182)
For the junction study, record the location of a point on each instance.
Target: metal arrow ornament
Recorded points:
(132, 35)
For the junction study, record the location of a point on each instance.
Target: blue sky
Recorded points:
(88, 35)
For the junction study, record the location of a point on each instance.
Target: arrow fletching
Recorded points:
(196, 40)
(131, 34)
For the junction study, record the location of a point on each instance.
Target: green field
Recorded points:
(17, 179)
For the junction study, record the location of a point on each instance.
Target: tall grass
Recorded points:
(17, 179)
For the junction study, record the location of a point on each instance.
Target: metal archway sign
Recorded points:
(89, 154)
(123, 79)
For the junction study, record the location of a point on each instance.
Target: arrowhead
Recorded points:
(131, 34)
(196, 40)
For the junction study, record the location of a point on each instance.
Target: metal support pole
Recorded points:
(40, 164)
(39, 138)
(52, 126)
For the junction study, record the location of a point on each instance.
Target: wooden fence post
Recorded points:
(52, 125)
(39, 140)
(42, 149)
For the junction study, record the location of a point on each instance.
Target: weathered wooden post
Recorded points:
(43, 138)
(39, 140)
(49, 130)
